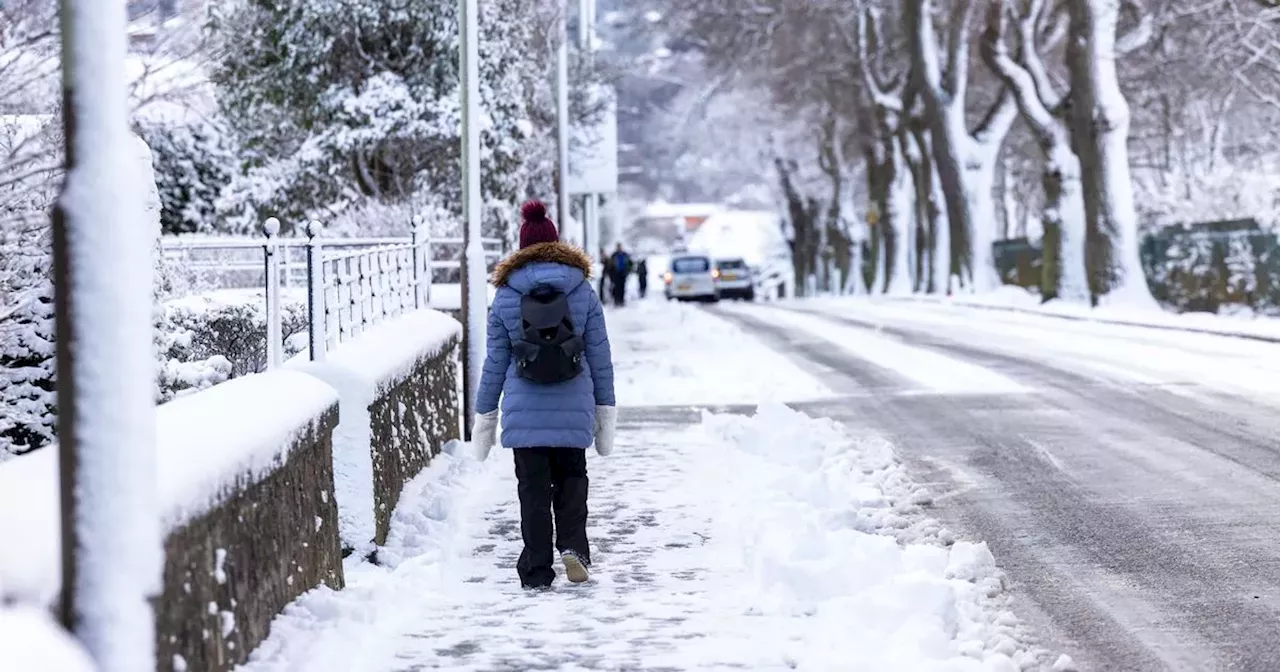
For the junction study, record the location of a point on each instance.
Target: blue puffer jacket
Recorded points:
(546, 416)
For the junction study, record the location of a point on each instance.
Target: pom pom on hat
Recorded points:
(536, 227)
(533, 211)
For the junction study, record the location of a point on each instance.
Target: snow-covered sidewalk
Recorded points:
(771, 542)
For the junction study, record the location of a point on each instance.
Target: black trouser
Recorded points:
(602, 294)
(644, 286)
(551, 480)
(620, 290)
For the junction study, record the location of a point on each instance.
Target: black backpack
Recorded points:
(550, 349)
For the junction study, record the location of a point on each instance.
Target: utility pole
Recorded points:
(475, 297)
(586, 47)
(102, 267)
(563, 209)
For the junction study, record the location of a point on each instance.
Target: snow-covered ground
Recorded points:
(1130, 352)
(1017, 299)
(671, 353)
(30, 640)
(776, 541)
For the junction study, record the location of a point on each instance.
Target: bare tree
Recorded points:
(1041, 107)
(966, 158)
(889, 175)
(1100, 131)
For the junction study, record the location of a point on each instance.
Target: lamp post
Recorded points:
(102, 266)
(562, 123)
(474, 295)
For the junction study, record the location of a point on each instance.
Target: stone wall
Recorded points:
(229, 571)
(411, 419)
(399, 392)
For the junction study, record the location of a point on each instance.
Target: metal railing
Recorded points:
(352, 284)
(236, 262)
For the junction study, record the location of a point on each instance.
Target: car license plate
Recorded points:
(729, 276)
(684, 286)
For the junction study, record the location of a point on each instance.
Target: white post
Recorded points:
(275, 339)
(563, 211)
(474, 295)
(316, 318)
(421, 265)
(112, 553)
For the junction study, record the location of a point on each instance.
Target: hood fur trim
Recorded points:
(556, 253)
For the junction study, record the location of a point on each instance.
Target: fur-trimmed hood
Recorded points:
(560, 253)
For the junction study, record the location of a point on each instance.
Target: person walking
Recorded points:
(621, 267)
(642, 276)
(549, 364)
(606, 271)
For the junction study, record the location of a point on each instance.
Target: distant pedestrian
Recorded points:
(642, 276)
(549, 364)
(621, 267)
(606, 272)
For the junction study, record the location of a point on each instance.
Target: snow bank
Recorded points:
(206, 443)
(818, 536)
(31, 641)
(1017, 299)
(361, 370)
(671, 353)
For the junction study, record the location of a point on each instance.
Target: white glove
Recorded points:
(484, 433)
(606, 429)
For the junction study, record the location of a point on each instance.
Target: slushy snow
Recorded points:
(829, 564)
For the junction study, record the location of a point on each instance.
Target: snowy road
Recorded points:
(1128, 480)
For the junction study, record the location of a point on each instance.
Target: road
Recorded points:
(1127, 480)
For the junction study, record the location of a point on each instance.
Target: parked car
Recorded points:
(734, 279)
(691, 277)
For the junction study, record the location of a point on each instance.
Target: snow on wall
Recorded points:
(361, 370)
(206, 443)
(30, 640)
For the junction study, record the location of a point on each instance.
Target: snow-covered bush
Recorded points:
(193, 161)
(227, 324)
(1202, 273)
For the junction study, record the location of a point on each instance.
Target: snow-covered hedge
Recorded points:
(399, 388)
(245, 483)
(230, 324)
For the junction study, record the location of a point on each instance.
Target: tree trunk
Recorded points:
(1063, 272)
(898, 220)
(802, 225)
(1063, 275)
(936, 275)
(1100, 116)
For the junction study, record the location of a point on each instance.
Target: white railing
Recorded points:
(236, 262)
(352, 283)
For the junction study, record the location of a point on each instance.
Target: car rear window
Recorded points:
(690, 265)
(731, 265)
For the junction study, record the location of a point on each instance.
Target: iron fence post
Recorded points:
(316, 318)
(275, 339)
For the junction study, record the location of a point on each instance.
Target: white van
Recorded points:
(692, 277)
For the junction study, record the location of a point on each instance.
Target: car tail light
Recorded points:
(666, 277)
(715, 274)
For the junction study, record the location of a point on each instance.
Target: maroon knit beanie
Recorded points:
(535, 227)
